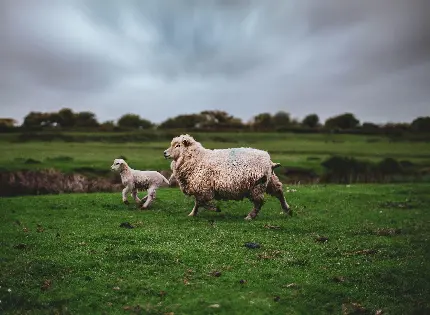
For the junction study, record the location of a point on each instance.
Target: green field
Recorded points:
(67, 254)
(294, 150)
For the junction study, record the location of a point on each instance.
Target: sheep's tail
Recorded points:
(275, 165)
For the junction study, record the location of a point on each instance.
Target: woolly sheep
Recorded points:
(223, 174)
(135, 179)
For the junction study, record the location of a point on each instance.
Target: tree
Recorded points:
(37, 119)
(421, 124)
(66, 118)
(344, 121)
(369, 127)
(134, 121)
(86, 119)
(281, 119)
(311, 121)
(219, 120)
(182, 122)
(8, 122)
(263, 121)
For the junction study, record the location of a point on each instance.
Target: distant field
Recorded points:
(298, 150)
(359, 249)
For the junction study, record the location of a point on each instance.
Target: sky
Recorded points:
(162, 58)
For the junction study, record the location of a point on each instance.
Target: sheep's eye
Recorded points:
(117, 163)
(177, 146)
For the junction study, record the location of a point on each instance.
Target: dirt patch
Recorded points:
(32, 182)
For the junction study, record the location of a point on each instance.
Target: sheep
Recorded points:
(135, 179)
(223, 174)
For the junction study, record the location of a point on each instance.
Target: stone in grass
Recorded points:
(215, 273)
(252, 245)
(321, 239)
(126, 225)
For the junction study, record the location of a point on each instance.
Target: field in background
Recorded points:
(359, 249)
(94, 153)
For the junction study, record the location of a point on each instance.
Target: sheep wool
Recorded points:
(133, 180)
(223, 174)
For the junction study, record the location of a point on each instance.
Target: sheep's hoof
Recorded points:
(192, 214)
(248, 218)
(126, 202)
(289, 212)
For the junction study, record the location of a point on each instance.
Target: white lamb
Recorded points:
(224, 174)
(135, 179)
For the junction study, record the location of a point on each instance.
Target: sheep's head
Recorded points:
(118, 165)
(178, 146)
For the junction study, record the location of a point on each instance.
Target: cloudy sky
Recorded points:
(161, 58)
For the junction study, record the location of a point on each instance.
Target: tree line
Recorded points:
(211, 120)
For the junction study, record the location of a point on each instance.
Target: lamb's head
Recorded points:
(179, 145)
(118, 165)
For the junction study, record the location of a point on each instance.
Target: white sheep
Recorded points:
(223, 174)
(135, 179)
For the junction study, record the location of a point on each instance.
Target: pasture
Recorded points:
(348, 249)
(95, 152)
(357, 249)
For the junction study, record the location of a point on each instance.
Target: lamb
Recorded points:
(224, 174)
(135, 179)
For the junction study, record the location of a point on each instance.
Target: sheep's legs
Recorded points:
(274, 188)
(125, 191)
(258, 203)
(195, 210)
(134, 195)
(212, 207)
(149, 198)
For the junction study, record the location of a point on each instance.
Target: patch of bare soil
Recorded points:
(50, 181)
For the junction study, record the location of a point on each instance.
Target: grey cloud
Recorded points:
(162, 58)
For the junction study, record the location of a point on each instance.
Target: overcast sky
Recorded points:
(162, 58)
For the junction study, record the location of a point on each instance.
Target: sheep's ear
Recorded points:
(186, 142)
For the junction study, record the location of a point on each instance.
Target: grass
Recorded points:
(298, 150)
(68, 254)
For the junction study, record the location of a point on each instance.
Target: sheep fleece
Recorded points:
(221, 173)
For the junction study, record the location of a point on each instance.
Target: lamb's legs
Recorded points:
(125, 192)
(134, 195)
(274, 188)
(150, 197)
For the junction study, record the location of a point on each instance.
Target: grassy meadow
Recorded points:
(142, 152)
(358, 249)
(348, 249)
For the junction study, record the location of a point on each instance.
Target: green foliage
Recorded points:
(421, 124)
(263, 121)
(311, 121)
(344, 121)
(182, 121)
(134, 121)
(86, 119)
(361, 248)
(281, 120)
(66, 118)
